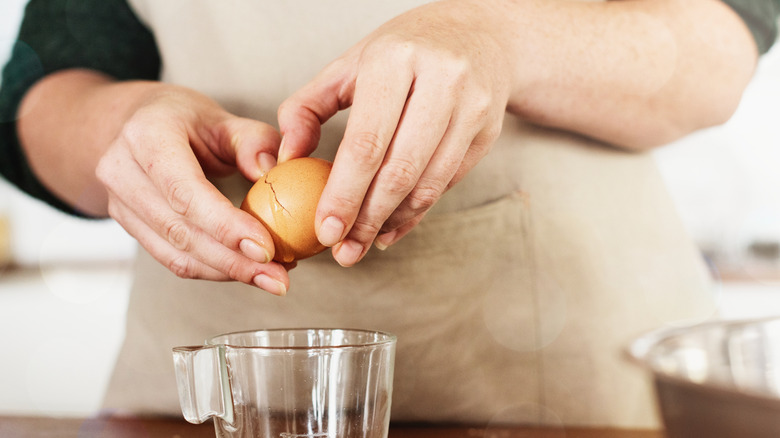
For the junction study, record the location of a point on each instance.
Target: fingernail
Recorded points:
(266, 162)
(348, 253)
(385, 240)
(330, 231)
(270, 285)
(282, 151)
(254, 251)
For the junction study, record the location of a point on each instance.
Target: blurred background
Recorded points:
(64, 282)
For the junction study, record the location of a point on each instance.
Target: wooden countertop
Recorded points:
(45, 427)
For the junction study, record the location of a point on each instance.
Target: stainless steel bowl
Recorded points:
(717, 379)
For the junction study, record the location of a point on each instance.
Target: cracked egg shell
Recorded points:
(285, 201)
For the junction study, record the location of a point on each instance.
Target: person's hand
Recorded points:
(156, 170)
(428, 92)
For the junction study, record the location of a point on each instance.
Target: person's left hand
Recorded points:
(428, 92)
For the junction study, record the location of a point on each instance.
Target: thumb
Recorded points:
(303, 113)
(251, 143)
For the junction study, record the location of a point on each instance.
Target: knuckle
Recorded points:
(290, 107)
(399, 48)
(403, 50)
(483, 103)
(340, 203)
(182, 267)
(180, 196)
(483, 142)
(285, 106)
(113, 210)
(222, 231)
(102, 171)
(229, 266)
(367, 147)
(393, 222)
(107, 169)
(365, 228)
(458, 68)
(492, 132)
(399, 176)
(134, 130)
(422, 198)
(236, 270)
(454, 72)
(177, 233)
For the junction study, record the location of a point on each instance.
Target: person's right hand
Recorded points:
(156, 171)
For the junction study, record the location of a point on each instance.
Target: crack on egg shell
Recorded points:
(277, 203)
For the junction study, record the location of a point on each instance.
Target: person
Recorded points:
(493, 152)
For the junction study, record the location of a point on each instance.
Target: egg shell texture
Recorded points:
(285, 201)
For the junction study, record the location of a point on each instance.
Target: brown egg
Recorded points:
(285, 201)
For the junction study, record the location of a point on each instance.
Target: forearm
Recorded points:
(635, 73)
(68, 120)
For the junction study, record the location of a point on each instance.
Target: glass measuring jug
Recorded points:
(289, 383)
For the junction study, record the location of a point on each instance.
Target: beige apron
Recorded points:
(512, 300)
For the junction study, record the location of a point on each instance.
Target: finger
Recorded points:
(403, 220)
(463, 144)
(469, 138)
(380, 97)
(399, 224)
(435, 180)
(302, 114)
(419, 133)
(419, 201)
(268, 277)
(187, 237)
(253, 145)
(174, 172)
(144, 200)
(176, 261)
(385, 240)
(480, 147)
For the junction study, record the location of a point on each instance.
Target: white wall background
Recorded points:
(70, 300)
(726, 180)
(62, 315)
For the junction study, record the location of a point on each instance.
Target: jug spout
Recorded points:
(202, 381)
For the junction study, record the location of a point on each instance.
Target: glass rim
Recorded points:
(384, 338)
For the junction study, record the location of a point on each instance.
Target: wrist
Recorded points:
(68, 108)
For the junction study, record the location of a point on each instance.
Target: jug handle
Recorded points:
(203, 385)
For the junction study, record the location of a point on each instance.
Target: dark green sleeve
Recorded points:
(102, 35)
(761, 18)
